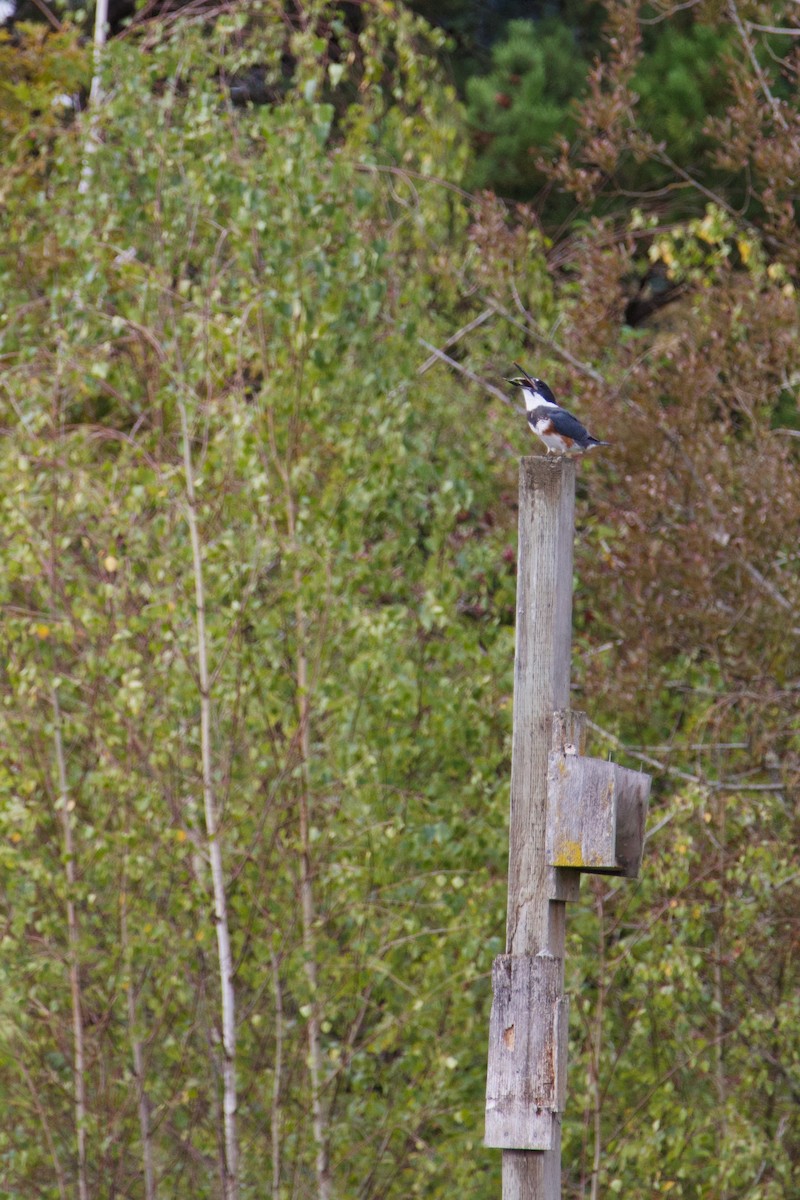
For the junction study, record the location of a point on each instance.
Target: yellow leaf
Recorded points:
(110, 564)
(42, 632)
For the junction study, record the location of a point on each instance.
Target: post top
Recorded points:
(547, 466)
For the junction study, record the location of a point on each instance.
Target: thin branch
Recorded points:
(48, 15)
(756, 65)
(318, 1116)
(529, 326)
(670, 12)
(781, 30)
(661, 156)
(277, 1079)
(456, 337)
(457, 366)
(48, 1136)
(768, 587)
(706, 747)
(142, 1099)
(665, 768)
(376, 168)
(712, 785)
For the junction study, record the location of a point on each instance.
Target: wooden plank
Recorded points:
(582, 817)
(569, 730)
(536, 924)
(633, 797)
(528, 1175)
(527, 1052)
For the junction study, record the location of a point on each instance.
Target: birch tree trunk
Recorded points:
(231, 1146)
(79, 1059)
(277, 1080)
(136, 1052)
(315, 1065)
(309, 916)
(100, 25)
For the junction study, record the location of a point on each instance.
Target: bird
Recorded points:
(558, 429)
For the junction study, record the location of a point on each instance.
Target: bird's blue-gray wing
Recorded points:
(564, 423)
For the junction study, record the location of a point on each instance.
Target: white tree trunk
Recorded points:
(315, 1066)
(136, 1052)
(78, 1068)
(100, 25)
(231, 1165)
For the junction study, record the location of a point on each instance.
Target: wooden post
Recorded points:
(568, 814)
(536, 922)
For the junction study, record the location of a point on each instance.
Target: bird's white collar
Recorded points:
(534, 399)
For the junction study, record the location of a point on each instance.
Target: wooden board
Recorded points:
(633, 788)
(526, 1083)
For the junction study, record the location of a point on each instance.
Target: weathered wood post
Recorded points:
(594, 821)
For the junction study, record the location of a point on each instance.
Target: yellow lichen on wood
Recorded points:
(569, 854)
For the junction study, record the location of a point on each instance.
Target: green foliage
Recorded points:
(40, 72)
(682, 80)
(672, 959)
(269, 277)
(527, 104)
(524, 104)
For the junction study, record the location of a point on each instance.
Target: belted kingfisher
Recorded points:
(559, 430)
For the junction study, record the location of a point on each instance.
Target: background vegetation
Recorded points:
(258, 553)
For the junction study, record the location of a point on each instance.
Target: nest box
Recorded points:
(596, 812)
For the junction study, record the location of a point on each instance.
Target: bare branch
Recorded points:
(756, 65)
(48, 14)
(457, 366)
(456, 337)
(530, 326)
(768, 587)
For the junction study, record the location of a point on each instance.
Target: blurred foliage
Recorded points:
(284, 269)
(681, 81)
(526, 102)
(42, 73)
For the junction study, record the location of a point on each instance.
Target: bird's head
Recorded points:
(536, 393)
